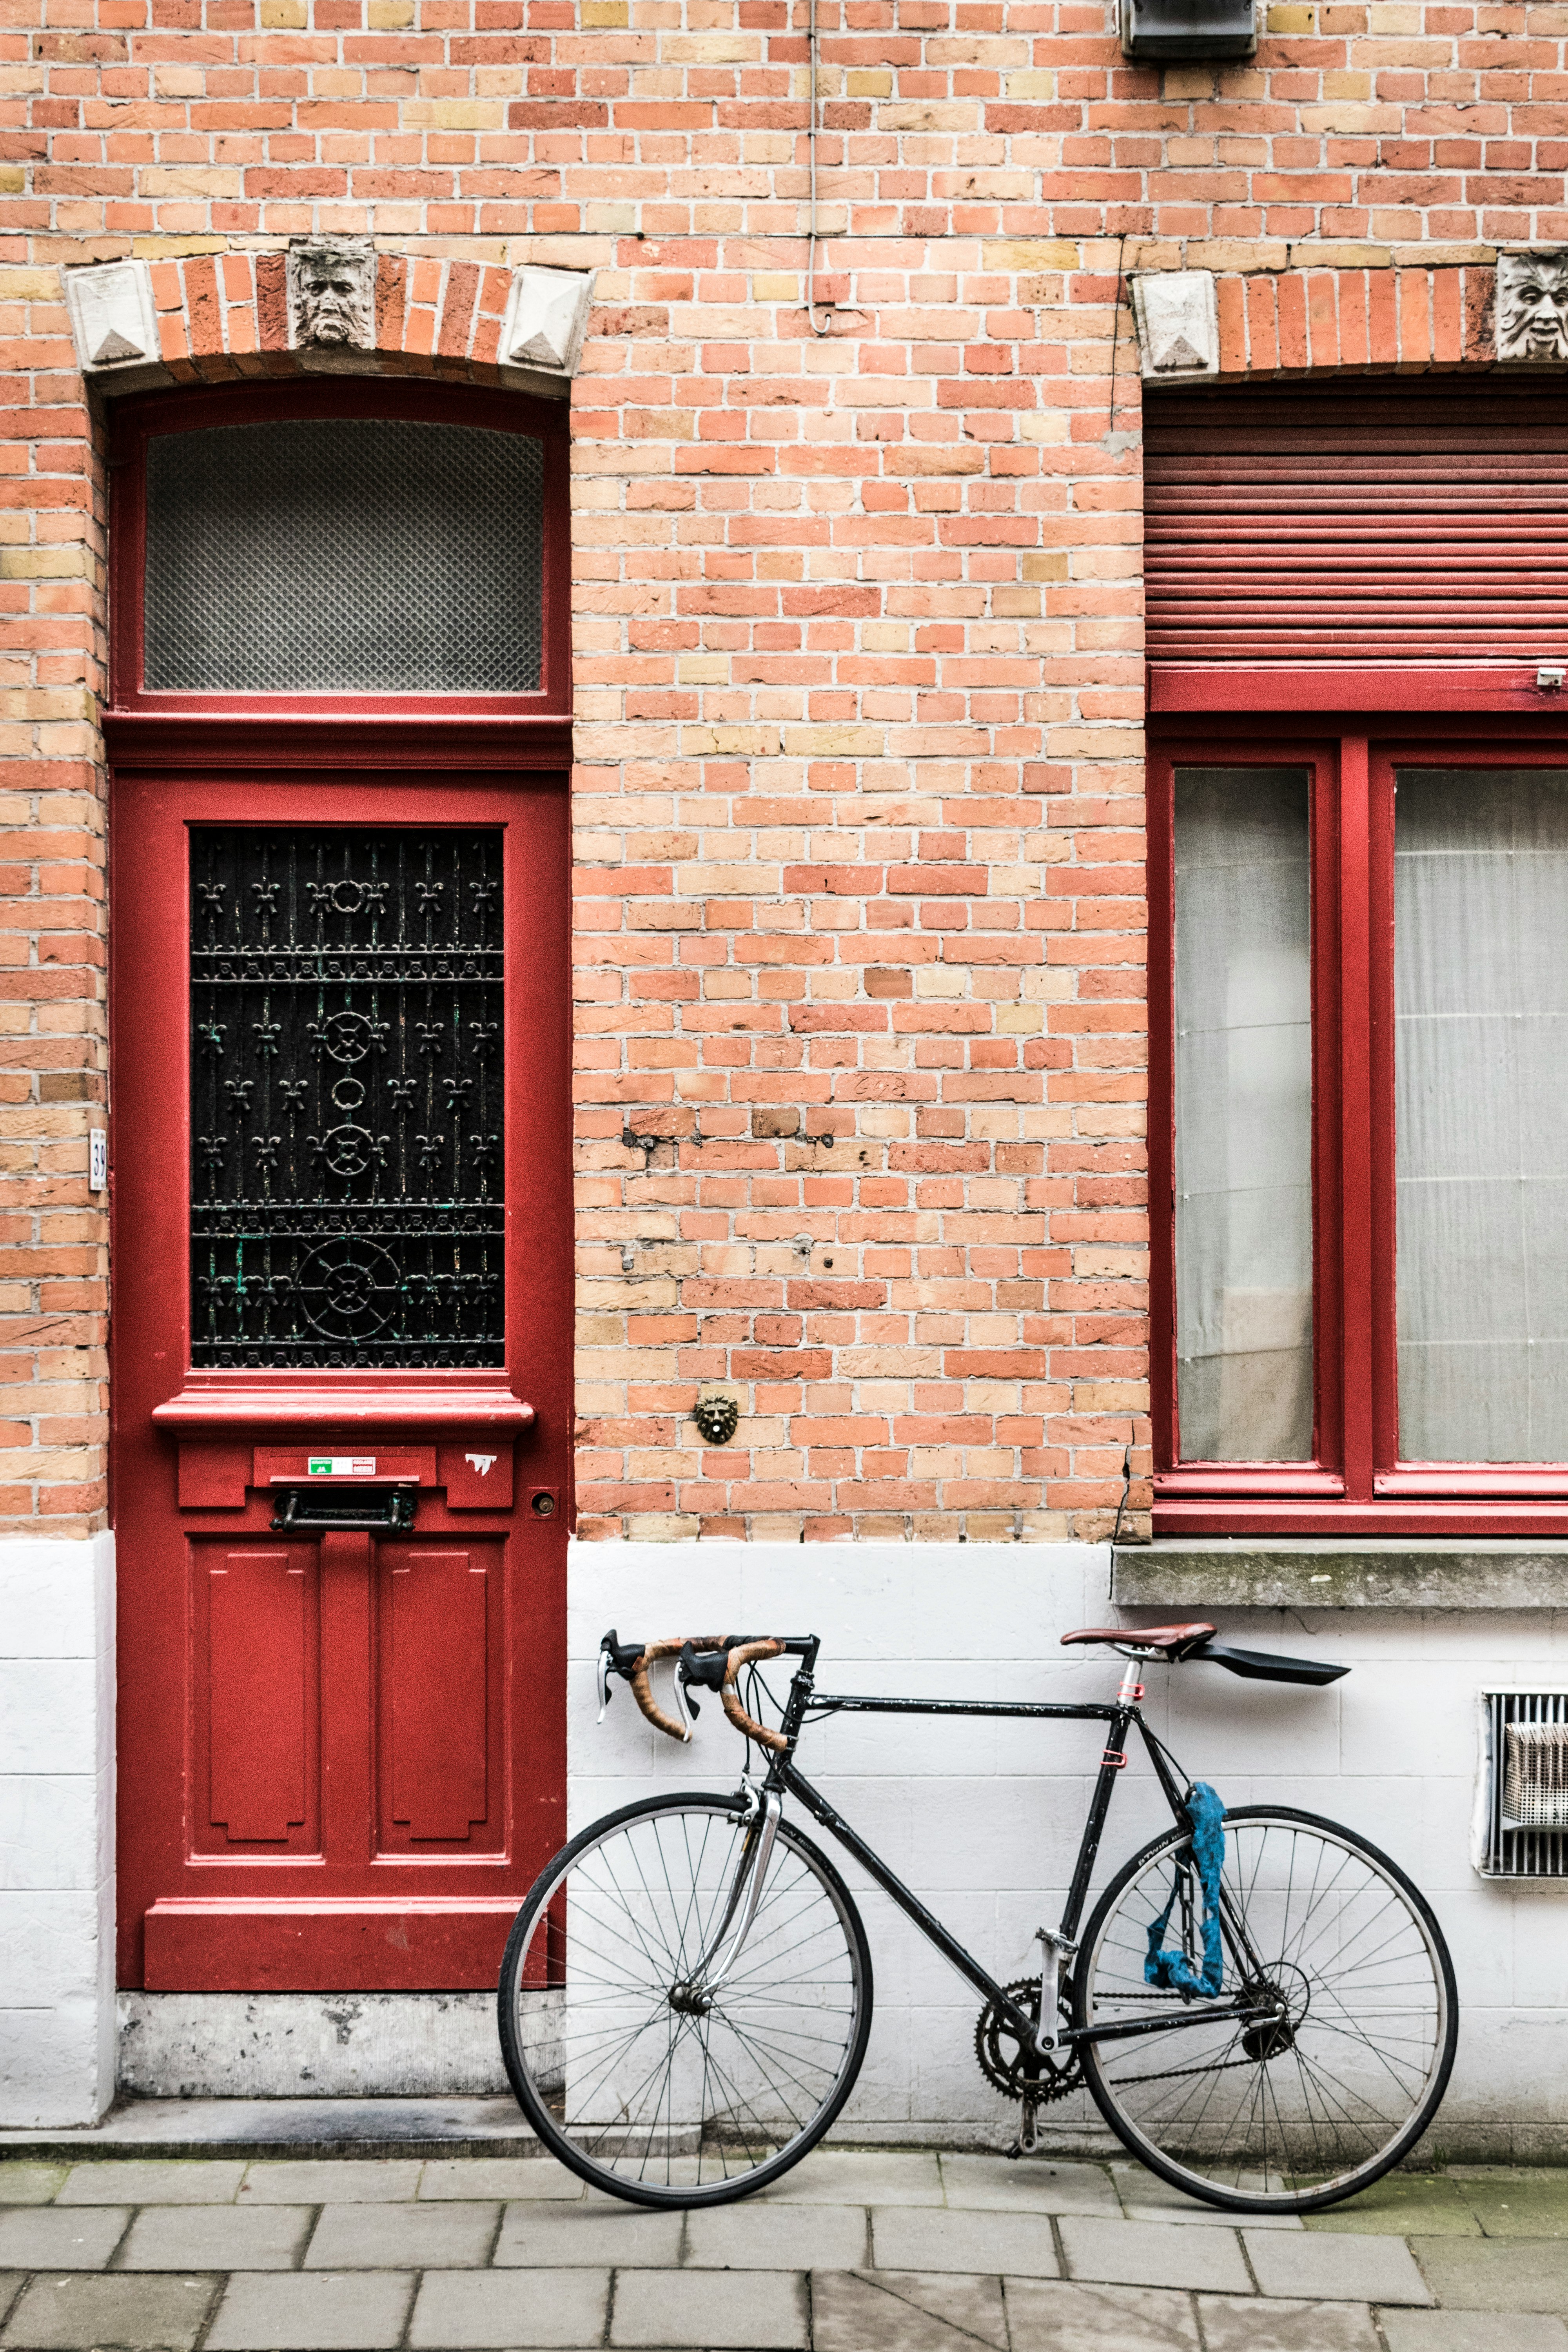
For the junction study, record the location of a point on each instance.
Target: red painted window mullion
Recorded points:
(1379, 1000)
(1160, 786)
(1355, 1069)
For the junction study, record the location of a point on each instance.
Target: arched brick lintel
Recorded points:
(222, 316)
(1299, 321)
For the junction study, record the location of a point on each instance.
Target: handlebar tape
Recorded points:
(740, 1656)
(743, 1657)
(643, 1693)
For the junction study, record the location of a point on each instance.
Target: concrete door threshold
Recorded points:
(296, 2127)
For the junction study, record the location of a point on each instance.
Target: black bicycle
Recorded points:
(1262, 2005)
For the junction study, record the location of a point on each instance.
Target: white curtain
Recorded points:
(1243, 1116)
(1481, 1103)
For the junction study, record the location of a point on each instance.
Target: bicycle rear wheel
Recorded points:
(645, 2061)
(1304, 2103)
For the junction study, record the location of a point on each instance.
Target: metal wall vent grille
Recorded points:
(344, 556)
(1525, 1791)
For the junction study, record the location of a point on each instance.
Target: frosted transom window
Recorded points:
(344, 556)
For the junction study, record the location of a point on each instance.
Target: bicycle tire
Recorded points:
(1371, 1904)
(540, 2069)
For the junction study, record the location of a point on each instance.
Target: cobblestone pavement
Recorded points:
(854, 2252)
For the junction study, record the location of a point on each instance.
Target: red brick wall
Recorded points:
(860, 1090)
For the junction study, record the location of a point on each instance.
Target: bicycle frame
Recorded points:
(1121, 1714)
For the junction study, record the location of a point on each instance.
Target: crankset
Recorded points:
(1016, 2071)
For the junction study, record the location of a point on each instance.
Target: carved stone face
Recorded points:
(332, 284)
(1532, 306)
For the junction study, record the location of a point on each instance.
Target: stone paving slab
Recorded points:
(1336, 2269)
(472, 2310)
(399, 2237)
(336, 2181)
(905, 2311)
(1146, 2198)
(1402, 2205)
(849, 2175)
(764, 2311)
(1047, 2316)
(1243, 2325)
(215, 2238)
(356, 2311)
(1518, 2204)
(1496, 2275)
(1023, 2244)
(505, 2176)
(749, 2237)
(1472, 2331)
(11, 2282)
(60, 2314)
(588, 2237)
(142, 2183)
(42, 2237)
(1153, 2253)
(29, 2184)
(998, 2184)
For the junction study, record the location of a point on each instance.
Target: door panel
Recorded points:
(256, 1668)
(342, 1287)
(437, 1658)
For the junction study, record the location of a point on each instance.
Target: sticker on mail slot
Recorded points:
(340, 1465)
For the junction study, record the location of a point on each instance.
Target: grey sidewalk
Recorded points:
(853, 2251)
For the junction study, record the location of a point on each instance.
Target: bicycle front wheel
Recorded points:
(1341, 2065)
(655, 2054)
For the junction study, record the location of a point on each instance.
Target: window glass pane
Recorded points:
(1243, 1116)
(344, 556)
(346, 1112)
(1480, 990)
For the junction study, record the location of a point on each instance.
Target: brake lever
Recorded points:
(615, 1657)
(685, 1670)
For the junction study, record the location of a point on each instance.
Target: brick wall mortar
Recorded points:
(859, 654)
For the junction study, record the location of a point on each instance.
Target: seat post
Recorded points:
(1131, 1689)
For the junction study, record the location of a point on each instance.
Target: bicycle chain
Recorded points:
(1002, 2058)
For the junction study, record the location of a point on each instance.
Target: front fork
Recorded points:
(697, 1991)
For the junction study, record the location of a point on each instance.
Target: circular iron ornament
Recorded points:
(348, 1094)
(348, 1289)
(348, 1037)
(349, 1150)
(717, 1418)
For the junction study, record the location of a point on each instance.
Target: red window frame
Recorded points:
(1356, 1481)
(138, 421)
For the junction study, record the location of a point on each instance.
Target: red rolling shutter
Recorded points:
(1357, 528)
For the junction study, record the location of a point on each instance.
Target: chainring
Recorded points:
(1003, 2062)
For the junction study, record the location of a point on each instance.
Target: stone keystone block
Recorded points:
(113, 322)
(1178, 325)
(546, 319)
(1533, 308)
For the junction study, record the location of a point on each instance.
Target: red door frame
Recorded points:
(178, 761)
(1356, 1484)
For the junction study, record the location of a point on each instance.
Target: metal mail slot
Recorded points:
(369, 1510)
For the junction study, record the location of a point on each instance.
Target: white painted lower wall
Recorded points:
(57, 1830)
(982, 1818)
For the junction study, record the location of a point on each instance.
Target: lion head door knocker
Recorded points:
(717, 1418)
(1532, 307)
(332, 293)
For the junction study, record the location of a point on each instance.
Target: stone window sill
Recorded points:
(1247, 1572)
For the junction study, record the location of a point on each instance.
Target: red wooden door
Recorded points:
(341, 1269)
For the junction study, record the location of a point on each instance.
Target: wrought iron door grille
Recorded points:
(344, 556)
(346, 1032)
(1524, 1793)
